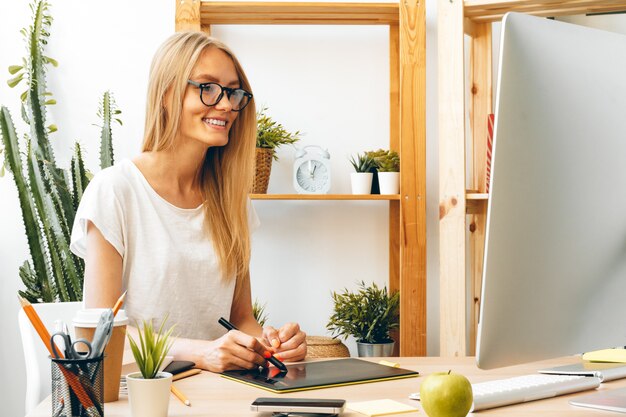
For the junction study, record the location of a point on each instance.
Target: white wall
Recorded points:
(329, 82)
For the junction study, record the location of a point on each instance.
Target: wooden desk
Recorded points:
(212, 395)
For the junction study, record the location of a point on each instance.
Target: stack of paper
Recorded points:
(381, 407)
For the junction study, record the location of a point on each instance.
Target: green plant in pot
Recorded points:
(270, 136)
(368, 314)
(388, 166)
(48, 195)
(361, 179)
(149, 389)
(259, 313)
(373, 155)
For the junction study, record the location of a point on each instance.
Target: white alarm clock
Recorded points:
(311, 170)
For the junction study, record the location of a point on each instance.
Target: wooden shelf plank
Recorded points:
(325, 197)
(288, 13)
(493, 10)
(476, 196)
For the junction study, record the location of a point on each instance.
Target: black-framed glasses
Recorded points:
(212, 93)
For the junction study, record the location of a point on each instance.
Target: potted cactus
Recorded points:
(368, 314)
(48, 194)
(388, 166)
(361, 179)
(149, 389)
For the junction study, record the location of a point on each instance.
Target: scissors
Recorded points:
(70, 347)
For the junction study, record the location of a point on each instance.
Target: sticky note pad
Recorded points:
(381, 407)
(606, 355)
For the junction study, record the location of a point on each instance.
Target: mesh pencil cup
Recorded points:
(77, 387)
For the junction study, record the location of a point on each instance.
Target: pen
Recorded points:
(180, 395)
(229, 326)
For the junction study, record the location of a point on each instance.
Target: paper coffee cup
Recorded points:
(85, 322)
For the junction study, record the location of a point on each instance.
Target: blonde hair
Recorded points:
(226, 174)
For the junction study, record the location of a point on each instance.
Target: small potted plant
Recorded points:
(368, 315)
(149, 389)
(361, 179)
(259, 313)
(373, 170)
(270, 135)
(388, 166)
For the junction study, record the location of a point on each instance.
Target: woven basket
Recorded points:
(325, 347)
(263, 168)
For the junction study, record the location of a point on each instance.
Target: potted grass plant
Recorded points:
(388, 167)
(368, 314)
(149, 389)
(270, 136)
(361, 179)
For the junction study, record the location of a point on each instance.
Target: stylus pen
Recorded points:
(229, 326)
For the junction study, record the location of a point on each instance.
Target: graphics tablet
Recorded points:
(318, 374)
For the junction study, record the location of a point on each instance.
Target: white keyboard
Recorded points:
(526, 388)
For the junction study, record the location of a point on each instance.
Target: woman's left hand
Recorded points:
(288, 342)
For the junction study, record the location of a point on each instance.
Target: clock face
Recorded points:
(313, 176)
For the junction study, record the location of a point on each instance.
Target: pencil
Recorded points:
(119, 303)
(41, 330)
(186, 374)
(180, 395)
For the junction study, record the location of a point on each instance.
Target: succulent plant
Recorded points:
(48, 195)
(362, 162)
(259, 313)
(152, 348)
(389, 162)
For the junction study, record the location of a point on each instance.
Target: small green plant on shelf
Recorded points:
(152, 348)
(258, 310)
(271, 134)
(368, 314)
(362, 162)
(388, 162)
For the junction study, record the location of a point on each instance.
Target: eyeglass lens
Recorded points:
(211, 94)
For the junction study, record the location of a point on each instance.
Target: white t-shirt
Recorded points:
(169, 263)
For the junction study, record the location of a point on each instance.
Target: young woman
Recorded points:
(172, 226)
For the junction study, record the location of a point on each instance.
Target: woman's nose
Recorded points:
(224, 103)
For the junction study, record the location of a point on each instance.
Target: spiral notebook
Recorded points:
(319, 374)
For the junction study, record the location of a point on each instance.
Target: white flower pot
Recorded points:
(361, 182)
(149, 397)
(389, 182)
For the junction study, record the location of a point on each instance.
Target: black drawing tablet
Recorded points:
(319, 374)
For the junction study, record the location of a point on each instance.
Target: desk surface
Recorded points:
(212, 395)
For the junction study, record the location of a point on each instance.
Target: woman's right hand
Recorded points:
(234, 350)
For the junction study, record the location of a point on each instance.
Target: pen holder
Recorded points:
(77, 387)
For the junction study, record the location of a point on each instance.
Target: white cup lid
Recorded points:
(91, 316)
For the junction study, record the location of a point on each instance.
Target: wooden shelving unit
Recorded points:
(407, 43)
(462, 210)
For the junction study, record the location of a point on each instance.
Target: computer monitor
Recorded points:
(554, 277)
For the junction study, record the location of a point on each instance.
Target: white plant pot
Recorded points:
(361, 182)
(149, 397)
(389, 182)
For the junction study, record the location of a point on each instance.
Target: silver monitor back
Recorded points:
(554, 277)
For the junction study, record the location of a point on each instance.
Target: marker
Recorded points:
(271, 359)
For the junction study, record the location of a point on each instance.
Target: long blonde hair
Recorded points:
(226, 173)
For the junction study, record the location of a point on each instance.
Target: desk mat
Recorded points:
(319, 374)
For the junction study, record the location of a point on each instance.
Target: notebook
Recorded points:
(318, 374)
(376, 408)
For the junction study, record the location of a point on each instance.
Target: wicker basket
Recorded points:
(263, 168)
(325, 347)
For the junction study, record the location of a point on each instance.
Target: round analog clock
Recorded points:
(311, 170)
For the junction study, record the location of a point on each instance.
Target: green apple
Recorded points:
(444, 394)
